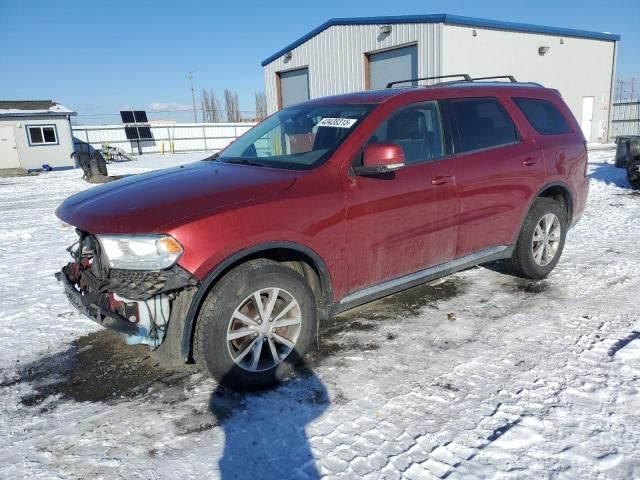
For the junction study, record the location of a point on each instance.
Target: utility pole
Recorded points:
(193, 96)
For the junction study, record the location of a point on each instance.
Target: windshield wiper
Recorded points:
(242, 161)
(212, 157)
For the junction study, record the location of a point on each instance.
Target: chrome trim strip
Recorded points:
(453, 264)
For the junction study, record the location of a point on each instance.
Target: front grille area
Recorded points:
(91, 274)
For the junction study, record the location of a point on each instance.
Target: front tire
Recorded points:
(256, 325)
(541, 240)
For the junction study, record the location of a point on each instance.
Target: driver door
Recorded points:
(404, 222)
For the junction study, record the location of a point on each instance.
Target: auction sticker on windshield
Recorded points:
(337, 122)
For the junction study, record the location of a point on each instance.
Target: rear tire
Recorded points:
(541, 240)
(256, 325)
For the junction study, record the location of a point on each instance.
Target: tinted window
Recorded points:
(543, 116)
(417, 129)
(482, 123)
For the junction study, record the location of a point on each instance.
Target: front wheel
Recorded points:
(541, 240)
(256, 325)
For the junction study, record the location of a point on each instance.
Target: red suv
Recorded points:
(321, 207)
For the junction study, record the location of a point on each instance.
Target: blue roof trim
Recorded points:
(450, 20)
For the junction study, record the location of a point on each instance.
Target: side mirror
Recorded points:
(380, 158)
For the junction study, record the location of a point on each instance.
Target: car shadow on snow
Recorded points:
(265, 432)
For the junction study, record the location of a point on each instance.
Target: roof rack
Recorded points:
(465, 76)
(462, 78)
(511, 78)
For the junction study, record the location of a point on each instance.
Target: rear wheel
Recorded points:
(541, 240)
(256, 325)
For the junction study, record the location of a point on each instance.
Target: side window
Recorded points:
(417, 129)
(482, 123)
(543, 116)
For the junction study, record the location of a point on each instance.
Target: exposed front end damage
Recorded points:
(134, 302)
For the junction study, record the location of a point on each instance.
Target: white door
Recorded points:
(587, 117)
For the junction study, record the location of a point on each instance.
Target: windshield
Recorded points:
(299, 137)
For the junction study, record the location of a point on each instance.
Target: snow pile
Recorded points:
(478, 375)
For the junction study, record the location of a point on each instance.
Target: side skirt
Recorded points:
(417, 278)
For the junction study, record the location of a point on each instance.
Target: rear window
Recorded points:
(482, 123)
(543, 116)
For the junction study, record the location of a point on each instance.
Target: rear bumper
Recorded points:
(92, 306)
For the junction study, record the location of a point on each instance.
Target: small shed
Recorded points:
(35, 133)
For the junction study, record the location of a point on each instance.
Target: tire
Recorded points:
(228, 308)
(633, 174)
(98, 165)
(527, 260)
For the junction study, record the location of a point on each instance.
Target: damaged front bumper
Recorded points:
(136, 303)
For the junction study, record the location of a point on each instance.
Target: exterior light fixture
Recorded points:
(543, 50)
(474, 33)
(386, 29)
(562, 41)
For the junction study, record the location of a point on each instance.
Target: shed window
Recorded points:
(42, 135)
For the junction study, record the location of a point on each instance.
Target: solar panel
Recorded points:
(127, 116)
(145, 133)
(131, 133)
(140, 116)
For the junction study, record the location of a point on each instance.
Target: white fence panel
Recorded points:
(625, 119)
(182, 137)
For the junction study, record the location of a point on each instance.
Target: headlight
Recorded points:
(140, 252)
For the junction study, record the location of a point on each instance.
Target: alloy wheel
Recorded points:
(546, 239)
(264, 329)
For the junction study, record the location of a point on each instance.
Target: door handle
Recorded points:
(441, 180)
(529, 161)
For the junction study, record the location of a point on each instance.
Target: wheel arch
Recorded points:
(561, 193)
(556, 190)
(299, 257)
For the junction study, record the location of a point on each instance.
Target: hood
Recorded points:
(144, 203)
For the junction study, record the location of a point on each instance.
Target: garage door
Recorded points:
(294, 87)
(392, 65)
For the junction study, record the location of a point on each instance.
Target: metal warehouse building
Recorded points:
(352, 54)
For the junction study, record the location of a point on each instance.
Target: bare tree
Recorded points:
(232, 106)
(261, 106)
(211, 111)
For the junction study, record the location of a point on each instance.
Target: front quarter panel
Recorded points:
(310, 213)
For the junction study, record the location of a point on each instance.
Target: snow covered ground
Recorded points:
(478, 375)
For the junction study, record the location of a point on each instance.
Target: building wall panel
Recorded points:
(336, 57)
(577, 67)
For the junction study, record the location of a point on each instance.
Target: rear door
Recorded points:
(404, 222)
(499, 172)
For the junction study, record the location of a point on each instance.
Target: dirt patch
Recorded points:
(528, 286)
(98, 367)
(357, 330)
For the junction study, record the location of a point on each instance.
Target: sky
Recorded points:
(99, 57)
